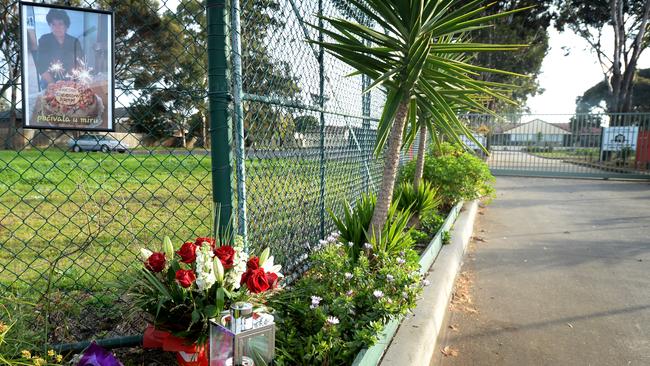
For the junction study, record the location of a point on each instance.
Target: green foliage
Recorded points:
(432, 223)
(524, 27)
(420, 202)
(420, 236)
(361, 296)
(354, 224)
(458, 176)
(308, 124)
(599, 94)
(446, 238)
(395, 235)
(421, 60)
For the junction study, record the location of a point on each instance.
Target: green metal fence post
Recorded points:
(219, 98)
(365, 128)
(240, 158)
(321, 103)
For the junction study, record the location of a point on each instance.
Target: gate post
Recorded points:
(219, 98)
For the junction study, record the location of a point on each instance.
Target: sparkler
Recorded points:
(81, 73)
(56, 69)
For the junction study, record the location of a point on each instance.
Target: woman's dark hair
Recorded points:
(58, 14)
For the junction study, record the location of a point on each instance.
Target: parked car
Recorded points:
(96, 143)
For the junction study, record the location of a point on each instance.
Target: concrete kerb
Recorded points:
(415, 341)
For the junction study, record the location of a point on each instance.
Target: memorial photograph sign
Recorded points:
(67, 59)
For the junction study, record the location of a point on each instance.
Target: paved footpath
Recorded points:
(561, 278)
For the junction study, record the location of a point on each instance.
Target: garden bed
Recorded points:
(372, 355)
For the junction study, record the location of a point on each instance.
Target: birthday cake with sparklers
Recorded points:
(69, 98)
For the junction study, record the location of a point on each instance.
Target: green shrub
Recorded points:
(354, 223)
(420, 202)
(446, 238)
(338, 307)
(458, 176)
(420, 236)
(432, 223)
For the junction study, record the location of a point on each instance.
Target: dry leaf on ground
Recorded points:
(449, 351)
(461, 299)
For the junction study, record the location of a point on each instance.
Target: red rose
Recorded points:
(187, 252)
(256, 281)
(253, 263)
(185, 277)
(226, 255)
(272, 279)
(155, 262)
(199, 242)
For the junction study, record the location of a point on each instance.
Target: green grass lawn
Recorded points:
(78, 220)
(579, 154)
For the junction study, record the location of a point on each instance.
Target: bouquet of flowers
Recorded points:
(183, 289)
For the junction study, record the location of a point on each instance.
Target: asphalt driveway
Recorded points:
(559, 275)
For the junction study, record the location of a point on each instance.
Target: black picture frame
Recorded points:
(106, 126)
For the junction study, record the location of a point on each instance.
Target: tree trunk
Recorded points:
(390, 169)
(419, 166)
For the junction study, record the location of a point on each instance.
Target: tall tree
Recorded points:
(529, 27)
(9, 63)
(628, 20)
(405, 61)
(599, 96)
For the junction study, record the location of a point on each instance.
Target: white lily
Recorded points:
(145, 253)
(268, 266)
(218, 269)
(168, 248)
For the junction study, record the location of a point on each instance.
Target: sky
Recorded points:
(564, 77)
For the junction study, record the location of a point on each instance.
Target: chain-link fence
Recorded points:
(72, 223)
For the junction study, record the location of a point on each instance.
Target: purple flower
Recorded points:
(98, 356)
(378, 294)
(425, 283)
(401, 261)
(349, 293)
(390, 278)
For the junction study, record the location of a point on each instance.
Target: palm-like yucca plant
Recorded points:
(354, 223)
(421, 201)
(413, 58)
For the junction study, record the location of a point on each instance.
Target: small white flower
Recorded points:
(378, 294)
(401, 261)
(367, 246)
(322, 242)
(350, 244)
(332, 320)
(348, 275)
(390, 278)
(331, 239)
(425, 283)
(312, 306)
(405, 295)
(315, 301)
